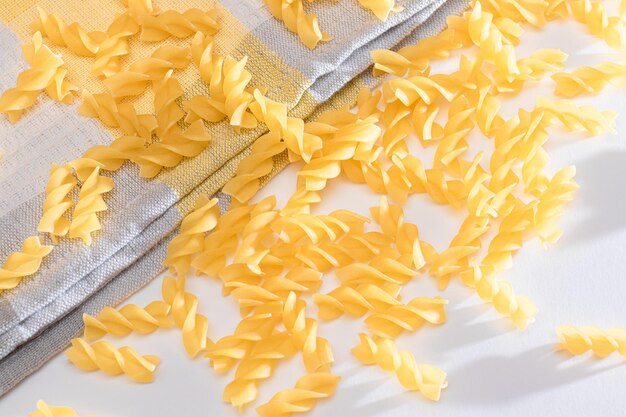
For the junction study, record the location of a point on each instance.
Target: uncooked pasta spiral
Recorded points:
(383, 352)
(114, 46)
(302, 398)
(408, 317)
(510, 236)
(90, 199)
(118, 115)
(579, 340)
(297, 21)
(44, 66)
(559, 191)
(139, 7)
(415, 58)
(478, 196)
(574, 117)
(590, 80)
(594, 16)
(190, 239)
(299, 280)
(23, 263)
(75, 38)
(355, 301)
(112, 156)
(229, 349)
(45, 410)
(246, 182)
(529, 11)
(112, 361)
(141, 72)
(228, 80)
(257, 366)
(519, 309)
(167, 92)
(184, 311)
(380, 8)
(128, 319)
(419, 88)
(532, 68)
(315, 229)
(172, 149)
(379, 270)
(453, 141)
(179, 25)
(57, 202)
(316, 352)
(493, 43)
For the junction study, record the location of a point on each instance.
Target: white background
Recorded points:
(493, 369)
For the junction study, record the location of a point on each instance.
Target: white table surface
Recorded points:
(493, 369)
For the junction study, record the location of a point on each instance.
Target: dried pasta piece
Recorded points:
(257, 366)
(532, 68)
(292, 14)
(409, 317)
(227, 79)
(57, 202)
(594, 16)
(90, 199)
(426, 379)
(112, 361)
(247, 180)
(559, 192)
(574, 117)
(184, 310)
(118, 115)
(528, 11)
(355, 301)
(19, 265)
(225, 353)
(44, 66)
(590, 80)
(141, 72)
(139, 7)
(579, 340)
(75, 38)
(130, 318)
(519, 309)
(316, 351)
(113, 156)
(45, 410)
(179, 25)
(380, 270)
(381, 8)
(302, 398)
(114, 46)
(189, 241)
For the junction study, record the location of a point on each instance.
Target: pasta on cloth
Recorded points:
(130, 231)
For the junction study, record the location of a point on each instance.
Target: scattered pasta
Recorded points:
(579, 340)
(45, 410)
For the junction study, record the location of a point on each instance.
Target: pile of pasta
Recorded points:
(271, 260)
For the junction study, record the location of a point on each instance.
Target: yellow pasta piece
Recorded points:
(112, 361)
(141, 72)
(292, 14)
(190, 239)
(528, 11)
(225, 353)
(179, 25)
(128, 319)
(590, 80)
(90, 200)
(45, 410)
(44, 66)
(355, 301)
(256, 367)
(381, 8)
(575, 117)
(114, 46)
(139, 7)
(112, 156)
(184, 310)
(579, 340)
(75, 38)
(19, 265)
(57, 202)
(302, 398)
(519, 309)
(120, 115)
(593, 15)
(380, 270)
(426, 379)
(409, 317)
(532, 68)
(247, 180)
(316, 352)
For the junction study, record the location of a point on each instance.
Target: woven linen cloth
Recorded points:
(38, 318)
